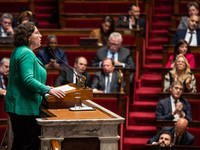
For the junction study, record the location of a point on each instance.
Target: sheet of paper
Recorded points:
(64, 88)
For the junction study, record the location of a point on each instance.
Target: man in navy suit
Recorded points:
(179, 134)
(107, 81)
(191, 34)
(174, 107)
(132, 18)
(47, 58)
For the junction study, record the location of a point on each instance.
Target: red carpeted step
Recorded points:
(52, 3)
(159, 3)
(158, 33)
(47, 25)
(154, 59)
(42, 17)
(145, 106)
(158, 41)
(161, 25)
(164, 9)
(152, 50)
(142, 118)
(132, 131)
(148, 93)
(135, 143)
(152, 68)
(44, 9)
(162, 17)
(151, 80)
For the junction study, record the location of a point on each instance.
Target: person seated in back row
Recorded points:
(191, 34)
(120, 55)
(174, 107)
(107, 27)
(107, 81)
(179, 134)
(193, 9)
(181, 71)
(183, 48)
(47, 55)
(6, 29)
(25, 15)
(67, 76)
(132, 18)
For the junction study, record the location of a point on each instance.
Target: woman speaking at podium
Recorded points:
(26, 88)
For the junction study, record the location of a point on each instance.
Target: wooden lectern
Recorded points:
(78, 130)
(68, 101)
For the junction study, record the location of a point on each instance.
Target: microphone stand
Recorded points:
(79, 76)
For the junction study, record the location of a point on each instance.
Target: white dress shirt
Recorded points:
(194, 37)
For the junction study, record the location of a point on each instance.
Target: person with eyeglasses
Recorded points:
(181, 71)
(174, 107)
(6, 29)
(120, 55)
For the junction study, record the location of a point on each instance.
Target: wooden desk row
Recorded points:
(178, 147)
(92, 70)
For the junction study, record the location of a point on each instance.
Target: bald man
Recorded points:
(179, 134)
(191, 34)
(67, 76)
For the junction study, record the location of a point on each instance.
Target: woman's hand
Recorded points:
(187, 82)
(57, 93)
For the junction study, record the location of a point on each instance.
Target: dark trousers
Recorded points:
(25, 132)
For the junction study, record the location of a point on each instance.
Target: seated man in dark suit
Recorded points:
(132, 18)
(179, 134)
(4, 72)
(67, 76)
(46, 56)
(120, 55)
(6, 29)
(174, 107)
(191, 34)
(107, 81)
(193, 9)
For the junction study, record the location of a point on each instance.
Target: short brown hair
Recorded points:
(22, 33)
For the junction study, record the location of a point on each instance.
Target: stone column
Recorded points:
(109, 143)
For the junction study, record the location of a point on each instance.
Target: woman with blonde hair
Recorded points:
(181, 71)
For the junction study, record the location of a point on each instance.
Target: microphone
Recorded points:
(78, 75)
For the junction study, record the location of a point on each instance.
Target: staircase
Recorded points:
(141, 125)
(43, 12)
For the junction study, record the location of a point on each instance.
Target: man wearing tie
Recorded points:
(120, 55)
(106, 81)
(6, 25)
(191, 34)
(179, 134)
(174, 107)
(4, 72)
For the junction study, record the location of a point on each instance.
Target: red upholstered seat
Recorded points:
(12, 7)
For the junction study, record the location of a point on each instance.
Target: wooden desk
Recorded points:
(176, 147)
(102, 125)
